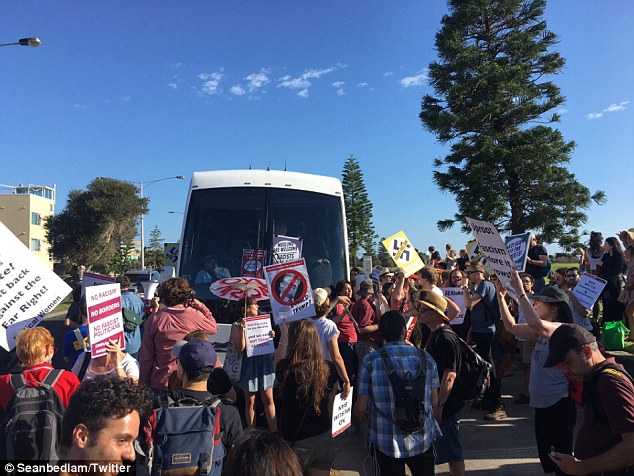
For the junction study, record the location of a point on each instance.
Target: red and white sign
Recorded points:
(341, 414)
(290, 291)
(411, 323)
(105, 321)
(258, 335)
(95, 279)
(253, 263)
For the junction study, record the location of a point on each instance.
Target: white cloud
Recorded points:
(338, 84)
(388, 74)
(362, 85)
(237, 90)
(561, 111)
(257, 80)
(303, 93)
(316, 73)
(294, 83)
(341, 92)
(173, 85)
(611, 108)
(211, 82)
(416, 80)
(302, 82)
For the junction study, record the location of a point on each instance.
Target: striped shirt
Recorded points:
(375, 382)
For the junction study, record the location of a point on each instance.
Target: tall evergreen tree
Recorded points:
(358, 210)
(155, 252)
(491, 97)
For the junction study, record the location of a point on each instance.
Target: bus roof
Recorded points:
(266, 178)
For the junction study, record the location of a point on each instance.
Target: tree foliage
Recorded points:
(506, 164)
(155, 253)
(95, 223)
(358, 210)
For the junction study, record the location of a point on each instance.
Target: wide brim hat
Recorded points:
(432, 301)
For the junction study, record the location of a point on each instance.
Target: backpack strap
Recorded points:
(84, 366)
(590, 391)
(17, 381)
(52, 377)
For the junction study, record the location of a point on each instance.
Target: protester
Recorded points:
(114, 363)
(594, 259)
(444, 346)
(580, 315)
(555, 411)
(457, 280)
(627, 293)
(365, 314)
(399, 299)
(525, 346)
(462, 260)
(35, 348)
(167, 326)
(605, 440)
(73, 315)
(102, 422)
(76, 341)
(307, 384)
(559, 278)
(536, 262)
(613, 267)
(211, 272)
(132, 309)
(347, 330)
(392, 448)
(329, 337)
(261, 453)
(257, 374)
(483, 316)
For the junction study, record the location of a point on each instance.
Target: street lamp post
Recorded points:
(32, 42)
(147, 184)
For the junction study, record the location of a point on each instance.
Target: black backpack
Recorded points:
(32, 423)
(409, 396)
(474, 376)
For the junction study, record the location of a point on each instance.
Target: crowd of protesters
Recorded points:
(358, 336)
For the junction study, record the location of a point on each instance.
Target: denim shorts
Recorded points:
(448, 448)
(316, 452)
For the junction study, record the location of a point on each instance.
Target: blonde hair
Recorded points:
(31, 345)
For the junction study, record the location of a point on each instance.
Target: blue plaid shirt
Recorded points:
(375, 382)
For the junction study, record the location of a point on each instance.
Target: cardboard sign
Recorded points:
(171, 252)
(290, 292)
(493, 248)
(455, 294)
(253, 263)
(588, 289)
(411, 323)
(376, 275)
(95, 279)
(28, 289)
(105, 321)
(517, 246)
(403, 253)
(257, 334)
(367, 264)
(285, 249)
(341, 414)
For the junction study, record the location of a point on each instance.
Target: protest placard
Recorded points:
(367, 264)
(455, 294)
(492, 247)
(95, 279)
(105, 321)
(341, 413)
(285, 248)
(290, 292)
(171, 251)
(257, 334)
(403, 253)
(253, 263)
(588, 289)
(517, 246)
(28, 289)
(376, 275)
(411, 323)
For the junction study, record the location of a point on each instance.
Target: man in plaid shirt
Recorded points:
(392, 448)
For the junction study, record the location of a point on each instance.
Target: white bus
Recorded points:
(233, 210)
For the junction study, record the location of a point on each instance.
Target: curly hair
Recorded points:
(306, 363)
(175, 291)
(263, 453)
(101, 399)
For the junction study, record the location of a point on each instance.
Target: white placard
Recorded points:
(493, 248)
(105, 321)
(94, 279)
(367, 264)
(588, 290)
(28, 289)
(455, 294)
(290, 292)
(257, 335)
(341, 413)
(411, 323)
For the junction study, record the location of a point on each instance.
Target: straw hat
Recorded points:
(432, 301)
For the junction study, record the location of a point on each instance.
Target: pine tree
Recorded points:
(155, 252)
(491, 88)
(361, 233)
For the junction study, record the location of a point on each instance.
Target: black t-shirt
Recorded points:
(443, 345)
(290, 408)
(230, 423)
(535, 271)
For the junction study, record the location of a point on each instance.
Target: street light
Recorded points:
(180, 213)
(147, 184)
(32, 42)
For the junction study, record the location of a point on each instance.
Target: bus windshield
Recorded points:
(222, 222)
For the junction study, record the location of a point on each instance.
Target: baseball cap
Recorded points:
(366, 287)
(319, 296)
(196, 356)
(552, 294)
(566, 337)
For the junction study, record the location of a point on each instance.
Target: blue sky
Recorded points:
(144, 90)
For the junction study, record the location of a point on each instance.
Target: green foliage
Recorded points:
(490, 86)
(95, 223)
(155, 253)
(120, 261)
(361, 233)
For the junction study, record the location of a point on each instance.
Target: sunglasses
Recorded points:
(472, 272)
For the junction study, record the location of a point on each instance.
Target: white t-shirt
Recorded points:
(327, 330)
(129, 364)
